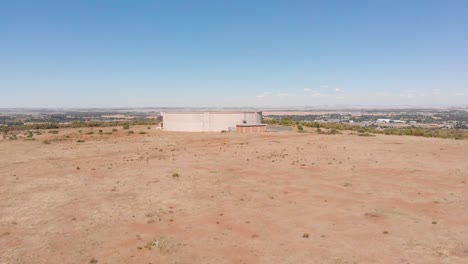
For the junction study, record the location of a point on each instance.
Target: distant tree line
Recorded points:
(407, 131)
(145, 122)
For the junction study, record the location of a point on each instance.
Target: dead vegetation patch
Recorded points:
(164, 245)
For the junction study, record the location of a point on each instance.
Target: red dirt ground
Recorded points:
(288, 197)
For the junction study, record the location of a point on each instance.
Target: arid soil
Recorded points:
(284, 197)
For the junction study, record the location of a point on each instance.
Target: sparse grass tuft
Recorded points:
(80, 141)
(131, 132)
(175, 175)
(126, 126)
(46, 142)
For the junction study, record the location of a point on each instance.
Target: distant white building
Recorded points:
(381, 120)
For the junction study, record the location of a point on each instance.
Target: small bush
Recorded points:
(126, 126)
(365, 135)
(175, 175)
(46, 142)
(142, 133)
(131, 132)
(80, 141)
(89, 133)
(115, 130)
(55, 132)
(300, 128)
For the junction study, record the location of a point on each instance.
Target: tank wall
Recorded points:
(208, 121)
(221, 121)
(183, 122)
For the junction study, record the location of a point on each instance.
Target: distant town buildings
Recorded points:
(381, 120)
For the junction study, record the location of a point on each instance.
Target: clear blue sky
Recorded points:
(232, 53)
